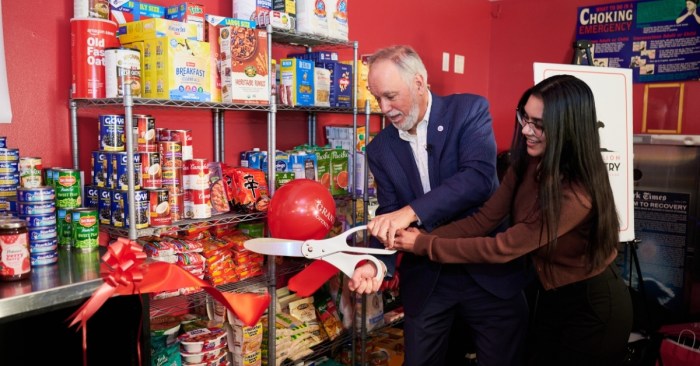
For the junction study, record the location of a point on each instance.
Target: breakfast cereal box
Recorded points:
(244, 66)
(213, 25)
(181, 69)
(188, 13)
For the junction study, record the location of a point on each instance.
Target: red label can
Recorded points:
(195, 174)
(89, 39)
(185, 139)
(198, 203)
(145, 130)
(177, 205)
(159, 202)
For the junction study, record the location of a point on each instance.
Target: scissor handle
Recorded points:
(347, 263)
(316, 249)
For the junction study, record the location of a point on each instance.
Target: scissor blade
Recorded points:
(274, 246)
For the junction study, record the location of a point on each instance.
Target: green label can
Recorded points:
(86, 228)
(64, 230)
(68, 188)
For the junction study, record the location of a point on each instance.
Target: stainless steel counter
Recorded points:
(73, 278)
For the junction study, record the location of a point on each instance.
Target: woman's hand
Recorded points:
(405, 239)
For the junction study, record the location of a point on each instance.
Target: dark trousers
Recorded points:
(584, 323)
(497, 327)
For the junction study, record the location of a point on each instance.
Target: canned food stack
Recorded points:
(171, 165)
(68, 187)
(37, 206)
(9, 178)
(197, 190)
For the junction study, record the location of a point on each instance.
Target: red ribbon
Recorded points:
(125, 272)
(311, 278)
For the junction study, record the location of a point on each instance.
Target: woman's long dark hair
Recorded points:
(572, 154)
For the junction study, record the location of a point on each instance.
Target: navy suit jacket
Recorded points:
(462, 169)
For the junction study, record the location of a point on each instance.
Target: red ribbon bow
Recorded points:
(125, 272)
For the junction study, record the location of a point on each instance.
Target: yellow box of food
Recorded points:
(181, 69)
(157, 27)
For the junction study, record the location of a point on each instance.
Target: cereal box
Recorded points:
(296, 82)
(256, 10)
(125, 11)
(188, 13)
(181, 68)
(156, 27)
(213, 25)
(244, 66)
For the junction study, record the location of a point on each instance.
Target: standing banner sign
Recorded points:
(5, 108)
(612, 91)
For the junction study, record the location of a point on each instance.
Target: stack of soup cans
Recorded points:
(38, 207)
(67, 184)
(9, 178)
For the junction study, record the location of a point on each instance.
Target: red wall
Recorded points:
(499, 39)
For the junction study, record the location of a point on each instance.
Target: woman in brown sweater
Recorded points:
(562, 213)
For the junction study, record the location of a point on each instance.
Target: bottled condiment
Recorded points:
(14, 250)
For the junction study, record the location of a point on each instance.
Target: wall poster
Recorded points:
(612, 90)
(657, 39)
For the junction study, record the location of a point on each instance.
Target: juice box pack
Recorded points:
(333, 170)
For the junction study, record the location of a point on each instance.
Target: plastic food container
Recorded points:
(205, 357)
(202, 340)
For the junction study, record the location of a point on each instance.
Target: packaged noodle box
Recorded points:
(181, 69)
(296, 82)
(213, 25)
(188, 13)
(244, 66)
(322, 86)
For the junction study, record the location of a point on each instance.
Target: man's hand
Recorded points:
(364, 279)
(384, 227)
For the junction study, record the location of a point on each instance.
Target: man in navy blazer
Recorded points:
(435, 163)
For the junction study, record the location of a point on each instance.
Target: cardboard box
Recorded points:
(322, 87)
(155, 27)
(181, 69)
(341, 83)
(255, 10)
(213, 25)
(125, 11)
(244, 66)
(363, 93)
(296, 82)
(312, 17)
(188, 13)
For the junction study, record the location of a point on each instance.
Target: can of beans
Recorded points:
(110, 135)
(145, 127)
(122, 70)
(104, 206)
(141, 209)
(68, 188)
(86, 228)
(30, 172)
(100, 162)
(185, 139)
(92, 197)
(195, 174)
(118, 207)
(159, 211)
(120, 169)
(198, 203)
(89, 38)
(151, 174)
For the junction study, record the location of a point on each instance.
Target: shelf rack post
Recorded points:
(217, 137)
(74, 133)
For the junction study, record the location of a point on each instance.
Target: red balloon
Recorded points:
(301, 209)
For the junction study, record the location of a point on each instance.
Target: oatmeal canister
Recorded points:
(89, 39)
(14, 250)
(86, 229)
(122, 70)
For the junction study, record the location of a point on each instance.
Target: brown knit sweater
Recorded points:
(463, 241)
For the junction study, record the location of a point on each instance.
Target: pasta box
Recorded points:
(296, 82)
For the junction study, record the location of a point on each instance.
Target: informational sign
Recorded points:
(661, 225)
(657, 39)
(5, 108)
(612, 90)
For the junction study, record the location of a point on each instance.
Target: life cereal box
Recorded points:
(212, 27)
(244, 66)
(181, 69)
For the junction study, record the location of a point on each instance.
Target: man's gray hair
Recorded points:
(405, 58)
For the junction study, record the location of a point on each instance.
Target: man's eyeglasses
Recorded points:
(534, 123)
